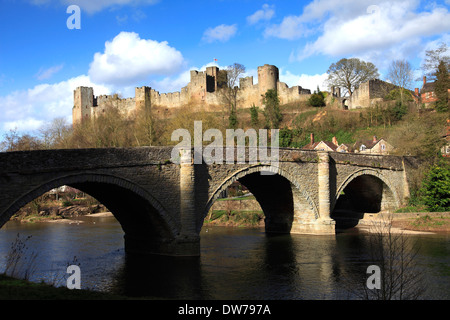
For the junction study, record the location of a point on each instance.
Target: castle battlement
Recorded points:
(203, 89)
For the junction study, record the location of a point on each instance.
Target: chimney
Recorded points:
(312, 138)
(424, 80)
(335, 141)
(374, 139)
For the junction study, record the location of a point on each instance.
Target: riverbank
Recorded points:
(64, 210)
(242, 211)
(17, 289)
(423, 221)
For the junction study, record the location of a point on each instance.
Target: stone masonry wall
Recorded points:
(203, 89)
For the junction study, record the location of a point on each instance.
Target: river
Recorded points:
(235, 263)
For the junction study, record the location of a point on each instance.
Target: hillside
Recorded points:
(409, 128)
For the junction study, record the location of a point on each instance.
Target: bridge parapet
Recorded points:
(47, 160)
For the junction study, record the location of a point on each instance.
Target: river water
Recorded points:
(235, 263)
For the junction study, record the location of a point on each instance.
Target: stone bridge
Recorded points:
(161, 205)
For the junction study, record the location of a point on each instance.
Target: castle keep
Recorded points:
(203, 89)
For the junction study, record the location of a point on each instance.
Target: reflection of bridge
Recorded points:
(161, 205)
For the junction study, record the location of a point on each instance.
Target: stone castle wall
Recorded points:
(203, 89)
(369, 93)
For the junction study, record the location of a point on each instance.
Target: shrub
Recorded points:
(436, 186)
(317, 100)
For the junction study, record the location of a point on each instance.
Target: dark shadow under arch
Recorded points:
(274, 190)
(144, 220)
(362, 193)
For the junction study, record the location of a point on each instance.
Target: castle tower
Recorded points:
(83, 102)
(268, 76)
(211, 78)
(143, 98)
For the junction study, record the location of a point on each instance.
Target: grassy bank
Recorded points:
(16, 289)
(429, 222)
(46, 207)
(235, 218)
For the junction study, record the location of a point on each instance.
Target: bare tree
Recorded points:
(56, 134)
(230, 90)
(394, 255)
(144, 128)
(13, 141)
(401, 74)
(433, 58)
(350, 73)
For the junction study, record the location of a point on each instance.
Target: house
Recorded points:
(328, 145)
(427, 94)
(321, 145)
(344, 147)
(374, 146)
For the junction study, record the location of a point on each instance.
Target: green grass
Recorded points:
(427, 221)
(411, 209)
(238, 218)
(16, 289)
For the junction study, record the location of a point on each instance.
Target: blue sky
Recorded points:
(123, 44)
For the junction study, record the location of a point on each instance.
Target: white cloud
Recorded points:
(306, 81)
(434, 44)
(290, 28)
(27, 124)
(44, 74)
(363, 28)
(342, 10)
(220, 33)
(394, 24)
(172, 84)
(27, 110)
(266, 13)
(128, 58)
(296, 26)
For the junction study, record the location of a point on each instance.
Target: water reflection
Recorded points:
(234, 263)
(159, 276)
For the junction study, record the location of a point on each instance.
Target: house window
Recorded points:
(383, 147)
(362, 148)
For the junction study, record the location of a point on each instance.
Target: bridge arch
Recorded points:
(366, 190)
(279, 185)
(138, 212)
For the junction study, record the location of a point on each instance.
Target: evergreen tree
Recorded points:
(232, 119)
(441, 87)
(254, 115)
(272, 111)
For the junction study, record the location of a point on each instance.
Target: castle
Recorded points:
(203, 89)
(367, 94)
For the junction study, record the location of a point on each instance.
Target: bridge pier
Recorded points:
(188, 241)
(324, 224)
